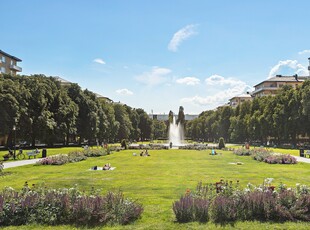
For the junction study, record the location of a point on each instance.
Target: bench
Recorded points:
(307, 152)
(33, 153)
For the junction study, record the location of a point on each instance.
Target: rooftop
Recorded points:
(10, 56)
(62, 81)
(243, 95)
(281, 78)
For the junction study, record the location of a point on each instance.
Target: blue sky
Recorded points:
(159, 55)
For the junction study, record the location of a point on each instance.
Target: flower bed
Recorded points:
(61, 159)
(280, 159)
(222, 202)
(65, 206)
(265, 155)
(194, 147)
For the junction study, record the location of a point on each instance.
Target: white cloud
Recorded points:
(287, 67)
(124, 92)
(99, 61)
(156, 76)
(235, 87)
(188, 81)
(181, 35)
(304, 52)
(219, 80)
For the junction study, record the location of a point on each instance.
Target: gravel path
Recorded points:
(12, 164)
(302, 159)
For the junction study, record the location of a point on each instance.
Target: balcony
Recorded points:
(263, 89)
(16, 68)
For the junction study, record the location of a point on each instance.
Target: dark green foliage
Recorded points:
(42, 110)
(95, 152)
(283, 118)
(221, 143)
(124, 144)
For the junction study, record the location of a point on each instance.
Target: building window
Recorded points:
(3, 59)
(2, 70)
(12, 62)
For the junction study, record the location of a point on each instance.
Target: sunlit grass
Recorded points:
(157, 181)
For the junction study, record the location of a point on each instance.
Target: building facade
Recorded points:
(165, 117)
(235, 101)
(8, 63)
(273, 85)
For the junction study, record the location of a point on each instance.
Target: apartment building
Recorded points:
(64, 82)
(235, 101)
(8, 63)
(272, 85)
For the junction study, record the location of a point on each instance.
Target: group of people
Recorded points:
(145, 153)
(105, 167)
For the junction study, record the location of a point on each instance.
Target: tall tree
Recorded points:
(122, 117)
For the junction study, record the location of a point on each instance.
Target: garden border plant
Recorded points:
(74, 156)
(265, 155)
(42, 205)
(224, 202)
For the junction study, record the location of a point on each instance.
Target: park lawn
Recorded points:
(157, 181)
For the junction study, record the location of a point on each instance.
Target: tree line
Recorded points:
(38, 109)
(279, 119)
(43, 111)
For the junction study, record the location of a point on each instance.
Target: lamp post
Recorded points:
(14, 129)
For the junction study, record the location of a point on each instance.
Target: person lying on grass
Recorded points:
(106, 166)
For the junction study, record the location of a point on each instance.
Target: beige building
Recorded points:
(165, 117)
(8, 63)
(272, 85)
(235, 101)
(64, 82)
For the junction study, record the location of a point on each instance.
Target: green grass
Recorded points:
(157, 181)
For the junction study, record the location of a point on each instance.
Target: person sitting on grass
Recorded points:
(213, 152)
(146, 153)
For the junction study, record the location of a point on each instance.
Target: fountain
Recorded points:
(175, 133)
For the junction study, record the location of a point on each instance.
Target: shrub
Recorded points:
(256, 205)
(61, 159)
(222, 202)
(221, 143)
(95, 152)
(242, 152)
(280, 159)
(183, 209)
(201, 209)
(54, 160)
(76, 156)
(124, 144)
(189, 209)
(65, 206)
(261, 154)
(223, 209)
